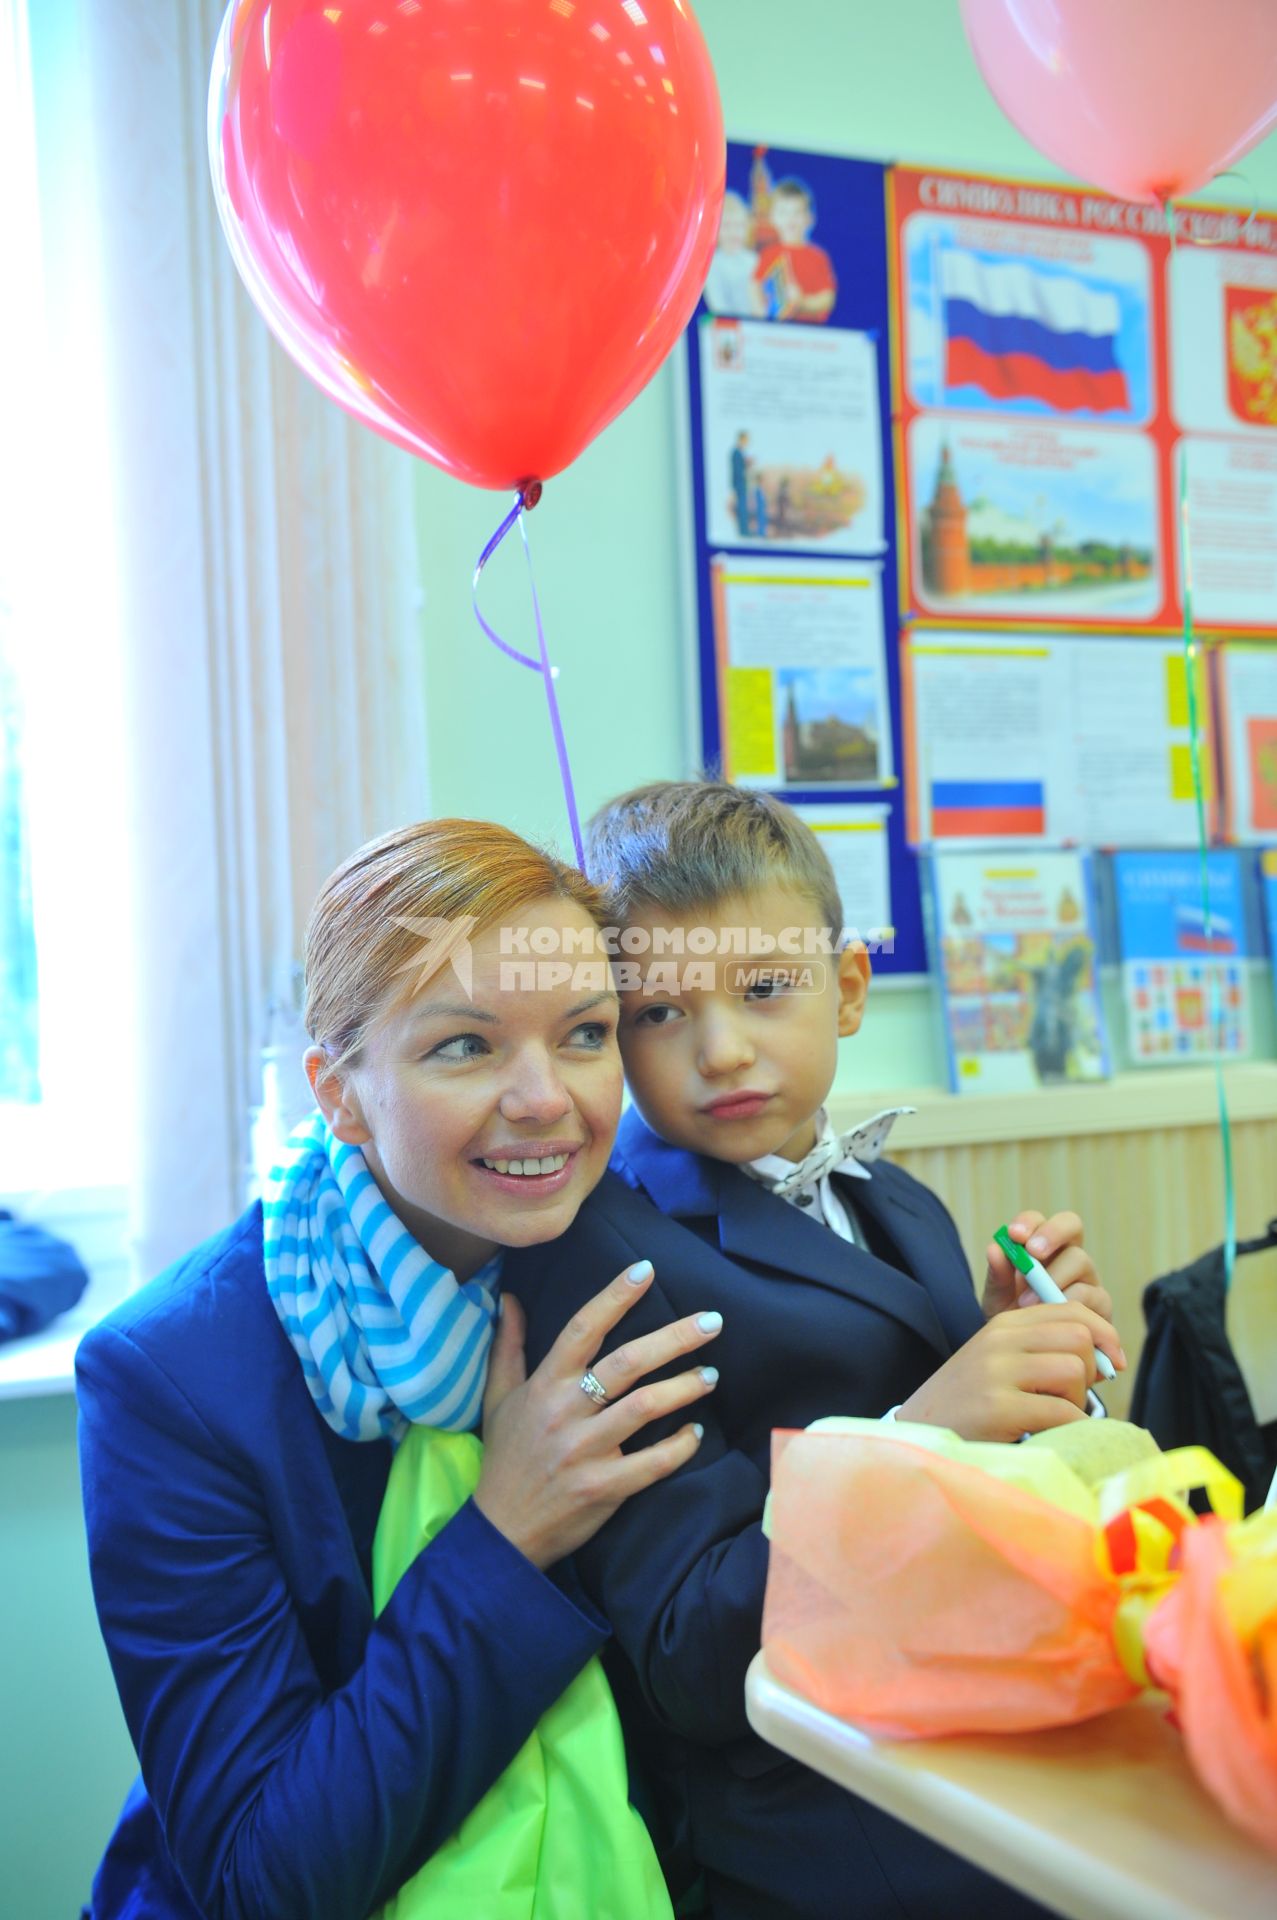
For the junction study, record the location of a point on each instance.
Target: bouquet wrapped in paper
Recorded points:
(1212, 1643)
(921, 1584)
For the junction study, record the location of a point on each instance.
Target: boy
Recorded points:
(843, 1289)
(795, 275)
(731, 286)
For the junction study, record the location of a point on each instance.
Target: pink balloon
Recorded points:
(1149, 99)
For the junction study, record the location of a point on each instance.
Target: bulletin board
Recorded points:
(937, 423)
(1055, 362)
(793, 485)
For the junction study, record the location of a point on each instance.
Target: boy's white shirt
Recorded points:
(729, 288)
(850, 1153)
(847, 1153)
(817, 1197)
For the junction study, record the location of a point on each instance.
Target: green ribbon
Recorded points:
(1185, 570)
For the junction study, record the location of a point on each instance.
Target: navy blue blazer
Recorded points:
(812, 1326)
(299, 1758)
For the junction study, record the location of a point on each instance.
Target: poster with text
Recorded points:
(802, 673)
(855, 841)
(1247, 679)
(1059, 377)
(791, 437)
(1268, 887)
(1046, 737)
(791, 517)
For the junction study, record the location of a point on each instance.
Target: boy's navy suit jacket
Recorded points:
(812, 1326)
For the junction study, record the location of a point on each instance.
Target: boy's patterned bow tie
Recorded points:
(849, 1152)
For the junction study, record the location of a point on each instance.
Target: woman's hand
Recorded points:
(1022, 1372)
(553, 1470)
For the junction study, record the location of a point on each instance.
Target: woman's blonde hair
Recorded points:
(399, 908)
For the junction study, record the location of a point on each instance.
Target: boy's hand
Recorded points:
(1057, 1243)
(1021, 1373)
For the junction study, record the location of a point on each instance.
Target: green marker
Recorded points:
(1037, 1277)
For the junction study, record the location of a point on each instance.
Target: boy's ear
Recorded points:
(853, 987)
(336, 1098)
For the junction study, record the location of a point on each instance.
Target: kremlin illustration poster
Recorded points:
(1059, 374)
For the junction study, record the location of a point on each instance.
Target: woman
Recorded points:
(238, 1416)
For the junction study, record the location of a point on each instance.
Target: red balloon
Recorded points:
(480, 225)
(1147, 98)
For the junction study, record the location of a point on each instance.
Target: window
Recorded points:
(66, 1050)
(19, 1052)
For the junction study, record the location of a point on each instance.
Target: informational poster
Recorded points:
(792, 442)
(1015, 951)
(1223, 357)
(1183, 958)
(1053, 738)
(1268, 886)
(855, 839)
(1042, 468)
(1044, 522)
(802, 673)
(793, 519)
(1247, 680)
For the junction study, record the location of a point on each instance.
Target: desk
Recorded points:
(1099, 1822)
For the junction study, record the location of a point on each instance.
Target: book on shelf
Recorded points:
(1014, 949)
(1184, 977)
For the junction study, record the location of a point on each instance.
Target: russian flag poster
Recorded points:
(1026, 320)
(1017, 331)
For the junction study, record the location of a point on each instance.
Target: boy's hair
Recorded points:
(675, 845)
(795, 189)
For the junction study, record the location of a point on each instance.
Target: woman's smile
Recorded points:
(531, 1170)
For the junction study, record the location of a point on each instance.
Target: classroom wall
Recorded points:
(855, 77)
(846, 76)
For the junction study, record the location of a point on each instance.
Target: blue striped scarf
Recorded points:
(385, 1335)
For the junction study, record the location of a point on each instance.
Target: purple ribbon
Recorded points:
(527, 498)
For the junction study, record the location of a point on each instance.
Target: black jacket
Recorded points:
(1189, 1389)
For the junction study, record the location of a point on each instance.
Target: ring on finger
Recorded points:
(594, 1388)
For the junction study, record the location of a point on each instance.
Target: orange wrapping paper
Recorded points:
(1213, 1644)
(917, 1595)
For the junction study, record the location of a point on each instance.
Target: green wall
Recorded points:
(887, 79)
(65, 1760)
(882, 81)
